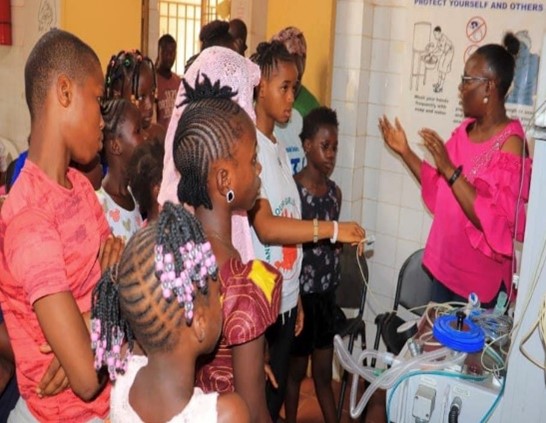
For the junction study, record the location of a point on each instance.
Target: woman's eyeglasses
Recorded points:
(468, 79)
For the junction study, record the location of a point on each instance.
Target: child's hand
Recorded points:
(299, 318)
(270, 376)
(54, 379)
(351, 233)
(110, 252)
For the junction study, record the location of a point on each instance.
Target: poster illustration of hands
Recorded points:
(442, 34)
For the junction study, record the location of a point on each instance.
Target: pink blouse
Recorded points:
(464, 258)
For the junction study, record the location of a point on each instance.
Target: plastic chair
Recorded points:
(351, 293)
(414, 289)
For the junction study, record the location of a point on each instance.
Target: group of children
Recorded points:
(228, 285)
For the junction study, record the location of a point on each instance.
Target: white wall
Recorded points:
(28, 24)
(378, 190)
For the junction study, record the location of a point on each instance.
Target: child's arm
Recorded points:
(66, 332)
(249, 377)
(281, 230)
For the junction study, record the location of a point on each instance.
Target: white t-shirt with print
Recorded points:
(123, 223)
(279, 188)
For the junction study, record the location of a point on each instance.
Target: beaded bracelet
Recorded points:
(315, 230)
(455, 176)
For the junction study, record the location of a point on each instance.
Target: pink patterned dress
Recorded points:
(462, 257)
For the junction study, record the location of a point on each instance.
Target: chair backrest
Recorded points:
(414, 286)
(351, 292)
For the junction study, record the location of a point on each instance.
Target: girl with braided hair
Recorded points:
(215, 153)
(278, 230)
(131, 75)
(163, 294)
(122, 134)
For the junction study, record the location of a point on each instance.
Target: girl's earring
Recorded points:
(230, 196)
(485, 100)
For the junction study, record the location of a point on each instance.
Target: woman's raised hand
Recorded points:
(435, 145)
(394, 135)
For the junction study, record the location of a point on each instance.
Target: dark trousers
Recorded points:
(442, 294)
(279, 338)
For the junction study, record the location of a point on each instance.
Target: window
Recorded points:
(183, 19)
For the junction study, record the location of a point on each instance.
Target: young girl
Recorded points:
(131, 75)
(320, 198)
(227, 68)
(164, 294)
(215, 154)
(122, 135)
(145, 169)
(275, 219)
(54, 239)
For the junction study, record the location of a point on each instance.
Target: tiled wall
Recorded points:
(378, 190)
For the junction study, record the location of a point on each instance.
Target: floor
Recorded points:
(309, 408)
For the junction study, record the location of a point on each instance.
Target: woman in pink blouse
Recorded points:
(478, 187)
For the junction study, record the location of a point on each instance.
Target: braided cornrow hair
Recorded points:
(268, 55)
(114, 113)
(208, 127)
(162, 269)
(125, 67)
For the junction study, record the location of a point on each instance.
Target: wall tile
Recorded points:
(364, 86)
(385, 245)
(360, 151)
(369, 215)
(404, 249)
(358, 184)
(349, 16)
(345, 86)
(347, 51)
(347, 115)
(390, 187)
(411, 222)
(388, 216)
(382, 22)
(367, 19)
(411, 192)
(374, 147)
(346, 151)
(346, 210)
(356, 211)
(427, 223)
(371, 184)
(399, 23)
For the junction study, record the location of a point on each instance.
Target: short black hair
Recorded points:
(501, 63)
(237, 29)
(56, 52)
(317, 118)
(165, 40)
(146, 171)
(216, 33)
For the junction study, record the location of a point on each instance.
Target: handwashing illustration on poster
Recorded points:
(442, 36)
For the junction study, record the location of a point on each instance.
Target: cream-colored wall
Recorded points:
(108, 26)
(29, 22)
(316, 18)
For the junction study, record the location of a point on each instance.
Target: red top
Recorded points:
(251, 295)
(166, 98)
(459, 255)
(49, 243)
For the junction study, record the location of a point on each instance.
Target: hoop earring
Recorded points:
(230, 196)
